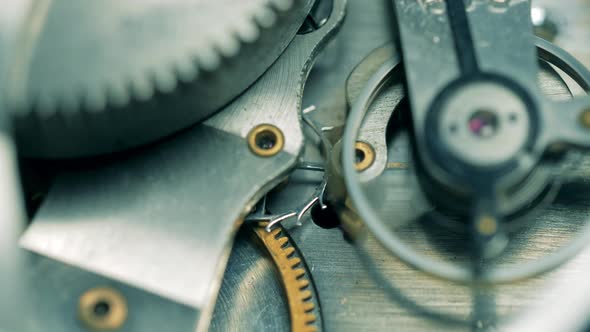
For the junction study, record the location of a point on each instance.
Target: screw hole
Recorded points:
(453, 128)
(359, 156)
(324, 218)
(101, 308)
(512, 117)
(266, 140)
(364, 156)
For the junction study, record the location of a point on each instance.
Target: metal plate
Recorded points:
(162, 219)
(115, 75)
(350, 297)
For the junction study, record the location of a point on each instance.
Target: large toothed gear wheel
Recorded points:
(95, 77)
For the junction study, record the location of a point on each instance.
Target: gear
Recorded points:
(131, 72)
(293, 276)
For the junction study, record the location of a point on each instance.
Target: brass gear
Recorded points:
(295, 282)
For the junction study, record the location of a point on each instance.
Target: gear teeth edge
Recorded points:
(282, 241)
(303, 283)
(308, 306)
(225, 45)
(289, 251)
(305, 295)
(116, 95)
(295, 261)
(281, 250)
(141, 89)
(282, 5)
(299, 272)
(266, 18)
(166, 80)
(275, 232)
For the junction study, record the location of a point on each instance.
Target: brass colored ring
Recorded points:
(266, 140)
(102, 309)
(585, 118)
(367, 155)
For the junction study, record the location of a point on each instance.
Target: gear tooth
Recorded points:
(299, 272)
(228, 44)
(294, 261)
(282, 241)
(310, 318)
(247, 31)
(289, 251)
(142, 89)
(308, 306)
(186, 70)
(165, 81)
(95, 100)
(275, 232)
(117, 94)
(303, 283)
(282, 5)
(305, 295)
(266, 18)
(209, 59)
(311, 329)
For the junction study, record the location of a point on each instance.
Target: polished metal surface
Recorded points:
(251, 297)
(484, 138)
(107, 218)
(13, 288)
(374, 127)
(162, 226)
(121, 63)
(351, 299)
(13, 295)
(276, 98)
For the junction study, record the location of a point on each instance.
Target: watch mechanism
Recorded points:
(294, 165)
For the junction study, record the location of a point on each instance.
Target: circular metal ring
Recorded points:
(364, 155)
(266, 140)
(585, 118)
(548, 52)
(102, 309)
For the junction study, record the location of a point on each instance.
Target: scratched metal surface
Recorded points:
(572, 18)
(351, 299)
